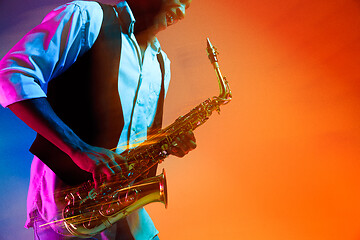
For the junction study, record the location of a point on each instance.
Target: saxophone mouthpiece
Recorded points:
(209, 45)
(211, 50)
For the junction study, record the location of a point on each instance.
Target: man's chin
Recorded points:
(158, 28)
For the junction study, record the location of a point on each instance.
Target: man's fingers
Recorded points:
(191, 135)
(183, 144)
(97, 179)
(176, 149)
(188, 142)
(177, 152)
(122, 162)
(109, 173)
(113, 165)
(102, 174)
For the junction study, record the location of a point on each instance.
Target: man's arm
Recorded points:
(38, 114)
(44, 52)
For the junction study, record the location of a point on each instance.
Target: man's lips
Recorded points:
(170, 19)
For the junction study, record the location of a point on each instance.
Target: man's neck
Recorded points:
(144, 12)
(143, 39)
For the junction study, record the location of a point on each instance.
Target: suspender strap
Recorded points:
(160, 106)
(156, 126)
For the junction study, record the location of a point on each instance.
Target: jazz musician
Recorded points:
(89, 78)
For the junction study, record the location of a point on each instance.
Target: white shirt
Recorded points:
(52, 47)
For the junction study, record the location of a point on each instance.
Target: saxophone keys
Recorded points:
(218, 109)
(165, 147)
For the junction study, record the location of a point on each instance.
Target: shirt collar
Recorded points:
(127, 21)
(155, 45)
(126, 17)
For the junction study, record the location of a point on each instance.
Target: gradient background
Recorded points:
(282, 161)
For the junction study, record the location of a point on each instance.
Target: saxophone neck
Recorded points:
(225, 92)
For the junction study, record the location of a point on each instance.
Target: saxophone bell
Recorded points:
(103, 211)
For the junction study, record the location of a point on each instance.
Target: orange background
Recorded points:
(282, 159)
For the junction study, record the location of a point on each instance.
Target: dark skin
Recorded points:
(144, 13)
(102, 163)
(150, 17)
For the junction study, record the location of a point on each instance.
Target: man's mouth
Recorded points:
(169, 19)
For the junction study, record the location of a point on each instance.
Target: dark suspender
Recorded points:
(156, 126)
(160, 106)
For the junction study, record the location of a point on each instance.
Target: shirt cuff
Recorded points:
(18, 89)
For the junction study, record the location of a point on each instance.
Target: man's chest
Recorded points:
(139, 77)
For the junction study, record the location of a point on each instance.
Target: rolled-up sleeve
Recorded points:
(47, 50)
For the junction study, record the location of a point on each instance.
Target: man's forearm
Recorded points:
(39, 115)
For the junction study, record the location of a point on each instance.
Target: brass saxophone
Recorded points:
(88, 212)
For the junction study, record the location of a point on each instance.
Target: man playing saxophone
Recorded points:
(91, 77)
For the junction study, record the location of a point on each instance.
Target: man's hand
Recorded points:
(183, 144)
(102, 163)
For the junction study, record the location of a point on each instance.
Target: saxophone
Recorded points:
(88, 212)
